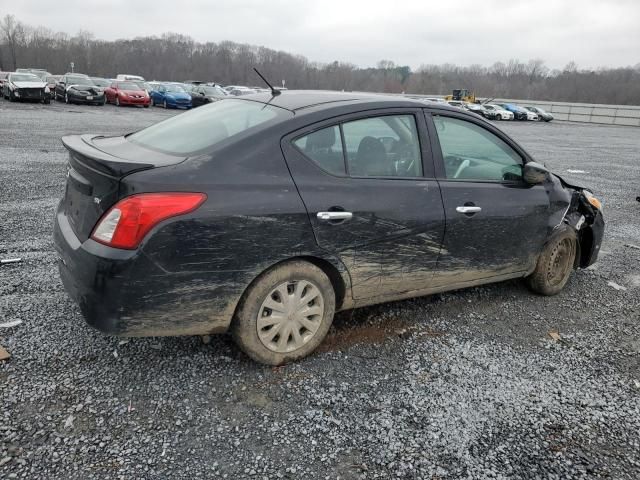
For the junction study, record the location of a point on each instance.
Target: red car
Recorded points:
(126, 93)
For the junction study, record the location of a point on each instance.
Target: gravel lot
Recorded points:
(461, 385)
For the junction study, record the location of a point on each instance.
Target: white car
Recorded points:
(123, 77)
(501, 113)
(457, 104)
(25, 86)
(532, 116)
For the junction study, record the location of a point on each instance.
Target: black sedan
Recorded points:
(203, 94)
(79, 89)
(263, 215)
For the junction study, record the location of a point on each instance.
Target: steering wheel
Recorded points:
(465, 163)
(405, 160)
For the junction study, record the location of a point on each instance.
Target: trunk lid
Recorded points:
(96, 166)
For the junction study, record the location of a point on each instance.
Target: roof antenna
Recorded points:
(274, 91)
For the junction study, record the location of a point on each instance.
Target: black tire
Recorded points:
(12, 98)
(244, 327)
(555, 263)
(47, 101)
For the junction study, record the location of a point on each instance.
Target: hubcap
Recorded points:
(560, 262)
(290, 316)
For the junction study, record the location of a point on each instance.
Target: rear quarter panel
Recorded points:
(252, 219)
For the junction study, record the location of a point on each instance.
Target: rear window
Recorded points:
(206, 126)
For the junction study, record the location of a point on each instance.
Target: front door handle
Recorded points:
(467, 209)
(328, 216)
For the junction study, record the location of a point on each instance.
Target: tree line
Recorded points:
(176, 57)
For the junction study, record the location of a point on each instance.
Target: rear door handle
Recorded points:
(327, 216)
(466, 209)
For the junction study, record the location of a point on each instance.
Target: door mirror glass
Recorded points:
(534, 173)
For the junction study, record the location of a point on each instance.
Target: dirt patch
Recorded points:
(348, 332)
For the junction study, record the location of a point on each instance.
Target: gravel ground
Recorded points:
(461, 385)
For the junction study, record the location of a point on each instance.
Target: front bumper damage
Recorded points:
(588, 222)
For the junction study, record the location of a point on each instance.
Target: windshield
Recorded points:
(128, 86)
(24, 77)
(204, 127)
(79, 81)
(100, 82)
(175, 88)
(213, 91)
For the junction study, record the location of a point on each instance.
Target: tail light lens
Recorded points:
(126, 223)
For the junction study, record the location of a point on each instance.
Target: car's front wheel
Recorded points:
(285, 313)
(555, 263)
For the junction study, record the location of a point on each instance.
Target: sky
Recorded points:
(593, 33)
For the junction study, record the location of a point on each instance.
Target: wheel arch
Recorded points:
(333, 269)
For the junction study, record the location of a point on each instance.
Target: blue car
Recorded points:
(170, 96)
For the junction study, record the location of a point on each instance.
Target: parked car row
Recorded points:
(125, 89)
(499, 111)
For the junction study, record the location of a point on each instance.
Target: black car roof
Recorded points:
(297, 100)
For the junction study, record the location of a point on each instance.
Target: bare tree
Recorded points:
(173, 56)
(13, 34)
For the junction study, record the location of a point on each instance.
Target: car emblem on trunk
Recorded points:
(96, 200)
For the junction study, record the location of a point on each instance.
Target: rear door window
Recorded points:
(385, 146)
(324, 147)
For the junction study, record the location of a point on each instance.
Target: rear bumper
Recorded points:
(123, 292)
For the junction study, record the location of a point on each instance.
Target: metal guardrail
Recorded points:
(626, 115)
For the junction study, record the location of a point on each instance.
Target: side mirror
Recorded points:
(534, 173)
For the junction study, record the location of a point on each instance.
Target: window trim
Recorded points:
(437, 149)
(424, 141)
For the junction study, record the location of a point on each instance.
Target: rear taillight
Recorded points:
(126, 223)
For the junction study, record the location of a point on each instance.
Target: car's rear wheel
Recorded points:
(285, 313)
(555, 263)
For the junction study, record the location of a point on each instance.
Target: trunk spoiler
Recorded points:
(106, 155)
